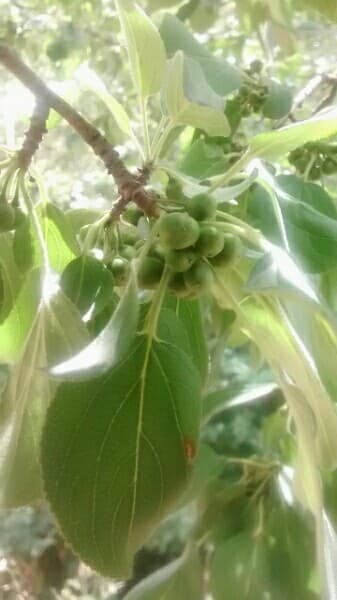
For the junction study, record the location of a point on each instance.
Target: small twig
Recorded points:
(33, 135)
(128, 185)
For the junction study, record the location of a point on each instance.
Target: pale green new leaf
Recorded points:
(91, 81)
(15, 329)
(57, 330)
(273, 145)
(208, 117)
(146, 50)
(108, 474)
(10, 276)
(179, 580)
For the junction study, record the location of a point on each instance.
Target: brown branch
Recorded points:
(33, 135)
(128, 184)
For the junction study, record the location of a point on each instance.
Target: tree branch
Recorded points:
(33, 135)
(128, 185)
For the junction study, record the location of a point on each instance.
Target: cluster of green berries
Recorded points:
(315, 159)
(11, 217)
(252, 98)
(192, 246)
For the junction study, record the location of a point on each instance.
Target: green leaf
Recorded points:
(221, 76)
(311, 233)
(111, 344)
(204, 110)
(88, 283)
(91, 81)
(57, 330)
(61, 243)
(189, 315)
(208, 466)
(236, 395)
(273, 145)
(239, 569)
(108, 475)
(276, 273)
(279, 101)
(11, 279)
(16, 327)
(201, 158)
(290, 539)
(179, 580)
(310, 193)
(145, 47)
(286, 351)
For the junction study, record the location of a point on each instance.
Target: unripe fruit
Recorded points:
(150, 272)
(199, 277)
(180, 260)
(132, 214)
(19, 217)
(156, 251)
(120, 268)
(178, 231)
(210, 241)
(7, 217)
(129, 235)
(329, 166)
(202, 207)
(178, 285)
(230, 253)
(128, 252)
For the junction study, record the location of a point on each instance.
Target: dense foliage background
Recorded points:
(78, 49)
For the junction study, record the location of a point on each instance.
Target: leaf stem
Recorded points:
(145, 126)
(219, 180)
(151, 321)
(157, 148)
(37, 225)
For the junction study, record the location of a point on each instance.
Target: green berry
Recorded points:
(329, 166)
(132, 213)
(199, 277)
(19, 217)
(230, 253)
(202, 207)
(177, 284)
(178, 231)
(7, 217)
(157, 251)
(128, 252)
(150, 272)
(130, 235)
(180, 260)
(120, 268)
(210, 241)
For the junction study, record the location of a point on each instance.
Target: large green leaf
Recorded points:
(189, 315)
(179, 580)
(88, 283)
(11, 278)
(221, 76)
(59, 237)
(108, 474)
(57, 331)
(111, 344)
(188, 104)
(311, 232)
(145, 47)
(239, 569)
(15, 329)
(273, 145)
